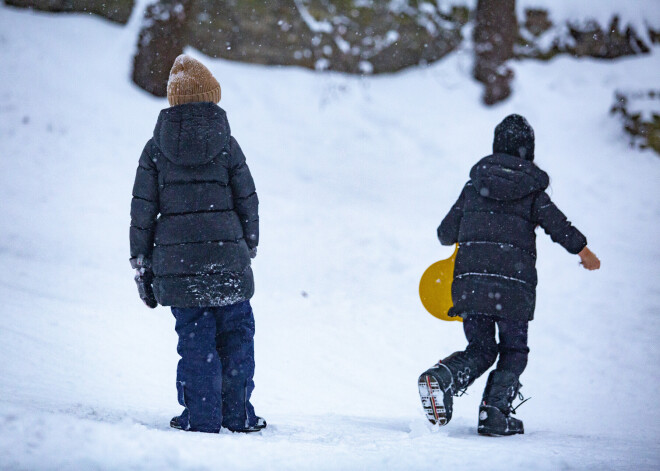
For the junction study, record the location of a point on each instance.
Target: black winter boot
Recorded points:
(174, 423)
(436, 386)
(464, 369)
(257, 427)
(495, 410)
(449, 377)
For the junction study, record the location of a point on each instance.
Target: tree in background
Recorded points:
(118, 11)
(495, 32)
(353, 36)
(358, 36)
(162, 39)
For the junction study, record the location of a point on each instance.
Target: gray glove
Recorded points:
(144, 277)
(253, 252)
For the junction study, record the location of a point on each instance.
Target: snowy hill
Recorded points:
(354, 176)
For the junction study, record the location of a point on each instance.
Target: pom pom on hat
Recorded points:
(190, 81)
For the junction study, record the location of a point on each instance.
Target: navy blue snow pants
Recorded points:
(483, 349)
(214, 376)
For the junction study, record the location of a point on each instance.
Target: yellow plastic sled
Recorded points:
(435, 288)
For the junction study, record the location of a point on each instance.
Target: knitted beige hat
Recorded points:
(190, 82)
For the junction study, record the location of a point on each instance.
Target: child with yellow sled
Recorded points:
(494, 222)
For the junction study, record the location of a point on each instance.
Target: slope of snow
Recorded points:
(354, 176)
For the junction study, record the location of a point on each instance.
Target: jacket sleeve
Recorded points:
(450, 225)
(556, 225)
(246, 202)
(144, 206)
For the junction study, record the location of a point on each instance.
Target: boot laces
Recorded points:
(523, 399)
(463, 377)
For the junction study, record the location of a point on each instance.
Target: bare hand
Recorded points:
(589, 259)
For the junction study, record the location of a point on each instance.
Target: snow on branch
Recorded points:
(314, 25)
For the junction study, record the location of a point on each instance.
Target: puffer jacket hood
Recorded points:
(192, 134)
(505, 177)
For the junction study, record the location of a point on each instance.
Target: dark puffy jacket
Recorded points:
(195, 210)
(494, 221)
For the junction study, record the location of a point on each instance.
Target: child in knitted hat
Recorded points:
(494, 222)
(194, 230)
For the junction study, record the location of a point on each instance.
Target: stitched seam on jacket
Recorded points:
(245, 197)
(492, 275)
(205, 274)
(499, 213)
(501, 314)
(133, 226)
(194, 182)
(470, 242)
(203, 211)
(228, 241)
(200, 274)
(144, 199)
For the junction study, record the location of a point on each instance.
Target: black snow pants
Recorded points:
(483, 349)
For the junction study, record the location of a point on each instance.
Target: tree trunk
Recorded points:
(162, 39)
(495, 32)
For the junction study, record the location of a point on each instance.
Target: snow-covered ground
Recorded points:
(354, 176)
